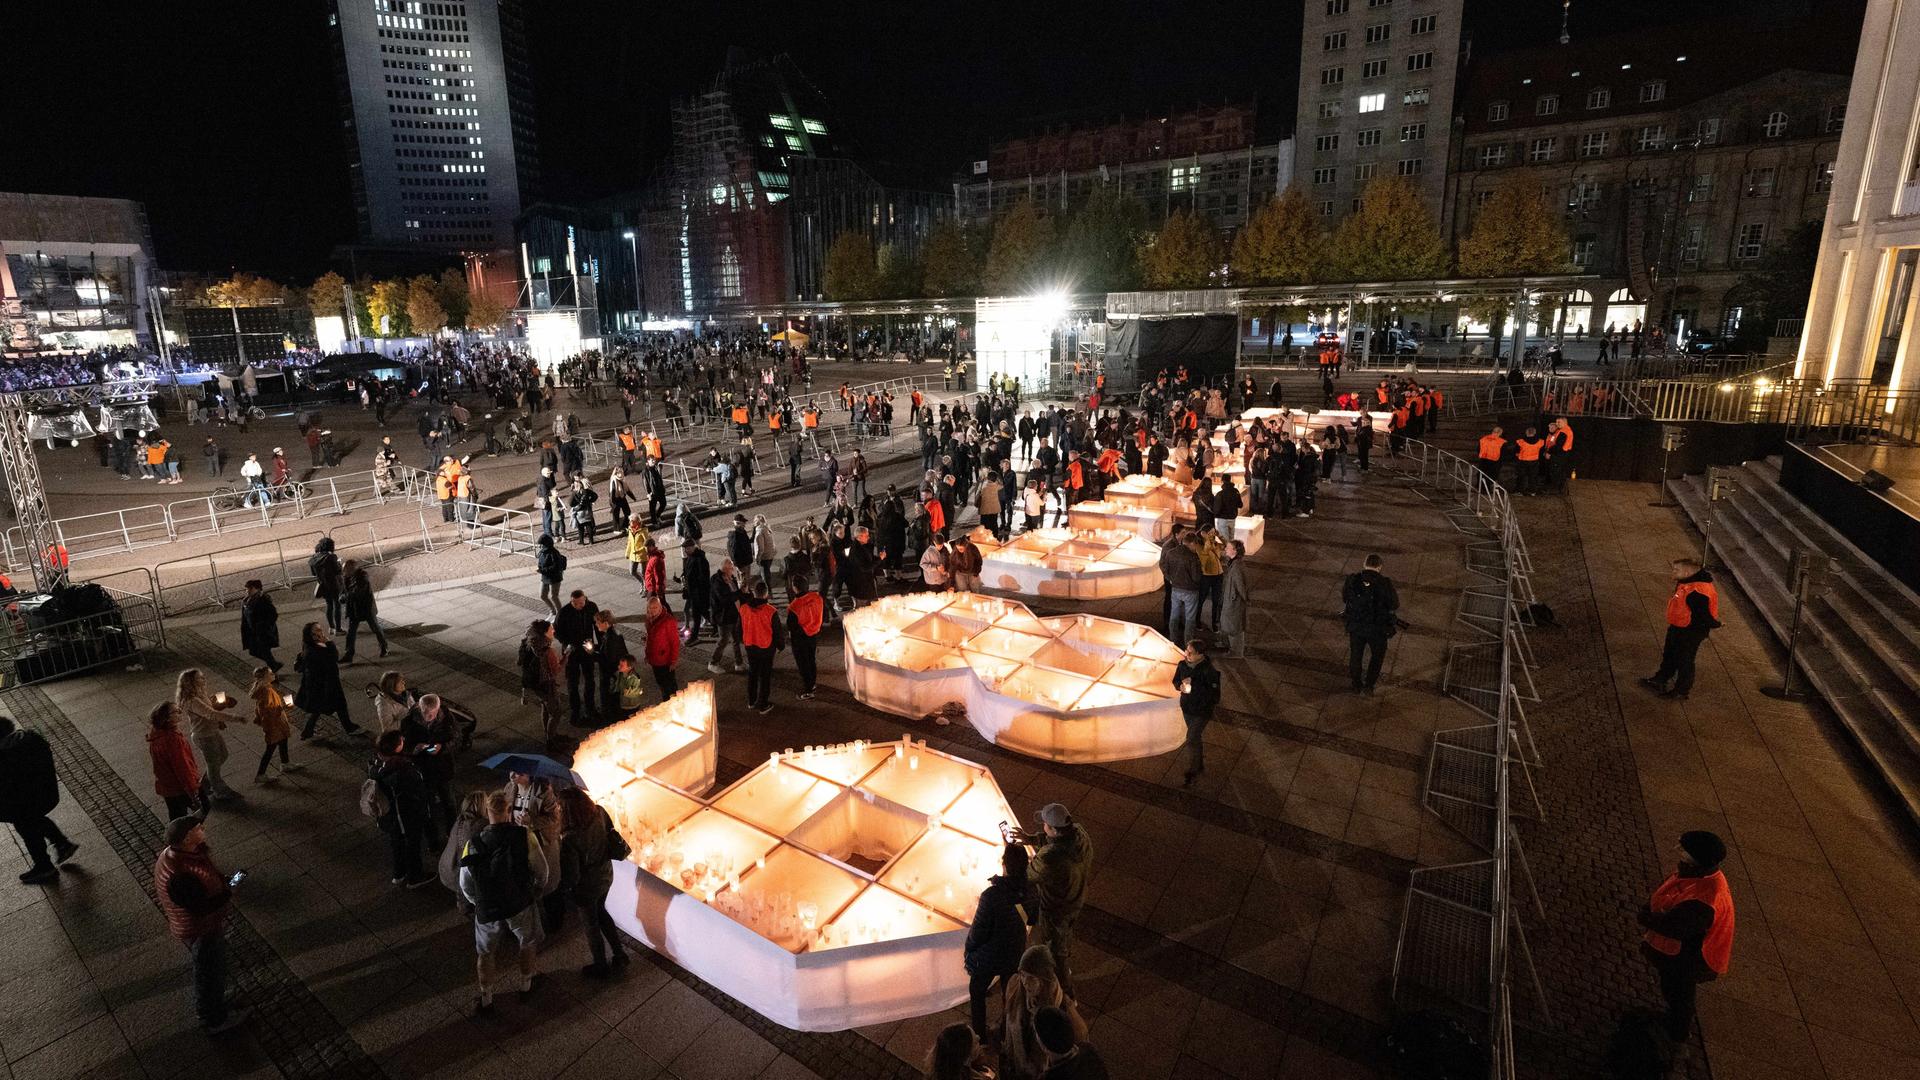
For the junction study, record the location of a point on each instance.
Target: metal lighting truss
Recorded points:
(22, 469)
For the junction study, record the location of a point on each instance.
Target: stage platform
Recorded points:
(1883, 524)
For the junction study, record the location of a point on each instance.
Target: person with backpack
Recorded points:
(540, 676)
(501, 869)
(551, 565)
(588, 850)
(394, 794)
(998, 934)
(29, 790)
(536, 805)
(1372, 617)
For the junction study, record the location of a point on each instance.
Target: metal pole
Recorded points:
(1786, 691)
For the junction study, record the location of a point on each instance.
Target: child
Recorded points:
(629, 686)
(270, 712)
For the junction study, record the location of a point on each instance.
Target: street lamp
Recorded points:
(633, 246)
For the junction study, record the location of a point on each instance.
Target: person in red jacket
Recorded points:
(176, 776)
(196, 897)
(758, 633)
(805, 611)
(1688, 924)
(663, 645)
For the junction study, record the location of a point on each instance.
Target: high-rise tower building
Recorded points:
(1376, 98)
(436, 106)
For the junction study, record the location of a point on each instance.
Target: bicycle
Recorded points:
(227, 498)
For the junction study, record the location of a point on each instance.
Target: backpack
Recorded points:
(374, 802)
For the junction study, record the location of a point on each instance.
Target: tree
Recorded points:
(423, 306)
(327, 296)
(950, 263)
(1186, 254)
(450, 288)
(387, 308)
(1101, 249)
(1392, 237)
(897, 275)
(245, 290)
(485, 311)
(849, 273)
(1778, 288)
(1513, 235)
(1283, 243)
(1019, 252)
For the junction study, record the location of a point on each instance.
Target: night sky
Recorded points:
(223, 118)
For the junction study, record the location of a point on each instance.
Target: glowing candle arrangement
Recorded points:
(1080, 564)
(829, 888)
(1068, 688)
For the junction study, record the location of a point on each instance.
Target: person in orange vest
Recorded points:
(465, 498)
(1688, 927)
(1493, 447)
(1528, 457)
(1397, 432)
(759, 633)
(805, 611)
(655, 452)
(443, 482)
(628, 447)
(773, 422)
(1693, 612)
(741, 420)
(1558, 467)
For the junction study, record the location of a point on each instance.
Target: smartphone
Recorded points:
(236, 878)
(433, 749)
(1006, 832)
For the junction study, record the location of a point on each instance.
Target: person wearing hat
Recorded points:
(1058, 872)
(1688, 924)
(196, 897)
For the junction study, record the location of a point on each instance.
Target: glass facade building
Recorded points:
(74, 272)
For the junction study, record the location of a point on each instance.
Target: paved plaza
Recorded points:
(1243, 927)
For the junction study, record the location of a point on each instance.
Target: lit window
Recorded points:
(1651, 137)
(1491, 156)
(1836, 117)
(1323, 175)
(1599, 97)
(1419, 95)
(814, 127)
(1595, 143)
(784, 123)
(795, 142)
(1497, 111)
(1321, 143)
(1183, 177)
(1760, 182)
(1583, 253)
(1707, 130)
(766, 140)
(1653, 90)
(1542, 149)
(1422, 25)
(1420, 61)
(1751, 241)
(1372, 103)
(1546, 105)
(1332, 76)
(1373, 69)
(1378, 33)
(1776, 125)
(1367, 137)
(1823, 176)
(1365, 170)
(1334, 42)
(1329, 109)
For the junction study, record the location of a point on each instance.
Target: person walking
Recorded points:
(760, 632)
(205, 723)
(540, 676)
(1199, 684)
(1372, 609)
(1693, 612)
(588, 848)
(639, 543)
(573, 629)
(997, 936)
(723, 595)
(396, 793)
(696, 589)
(361, 608)
(1234, 598)
(320, 690)
(500, 873)
(176, 776)
(765, 548)
(551, 565)
(1058, 874)
(29, 791)
(196, 899)
(805, 612)
(580, 504)
(1688, 927)
(663, 646)
(1180, 568)
(259, 624)
(270, 714)
(327, 582)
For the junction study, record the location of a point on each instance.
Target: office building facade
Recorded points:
(1376, 98)
(435, 97)
(74, 272)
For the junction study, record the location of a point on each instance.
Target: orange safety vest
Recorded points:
(809, 609)
(653, 447)
(463, 485)
(1490, 447)
(57, 557)
(1076, 474)
(443, 484)
(1109, 461)
(1528, 449)
(626, 442)
(1711, 890)
(936, 516)
(773, 420)
(1380, 392)
(756, 625)
(1439, 400)
(1418, 403)
(1565, 438)
(740, 414)
(810, 419)
(1191, 421)
(1678, 614)
(1400, 417)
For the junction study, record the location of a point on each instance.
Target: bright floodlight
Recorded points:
(1050, 306)
(628, 235)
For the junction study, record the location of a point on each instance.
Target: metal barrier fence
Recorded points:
(1847, 409)
(1457, 924)
(34, 652)
(113, 531)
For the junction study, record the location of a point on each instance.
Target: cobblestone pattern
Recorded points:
(1592, 856)
(292, 1026)
(505, 596)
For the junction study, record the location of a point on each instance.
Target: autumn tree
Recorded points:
(1515, 234)
(327, 296)
(1185, 254)
(387, 308)
(849, 273)
(485, 311)
(424, 310)
(245, 290)
(1392, 237)
(1283, 243)
(950, 261)
(1019, 253)
(450, 288)
(897, 275)
(1100, 251)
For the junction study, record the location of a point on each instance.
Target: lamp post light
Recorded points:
(639, 308)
